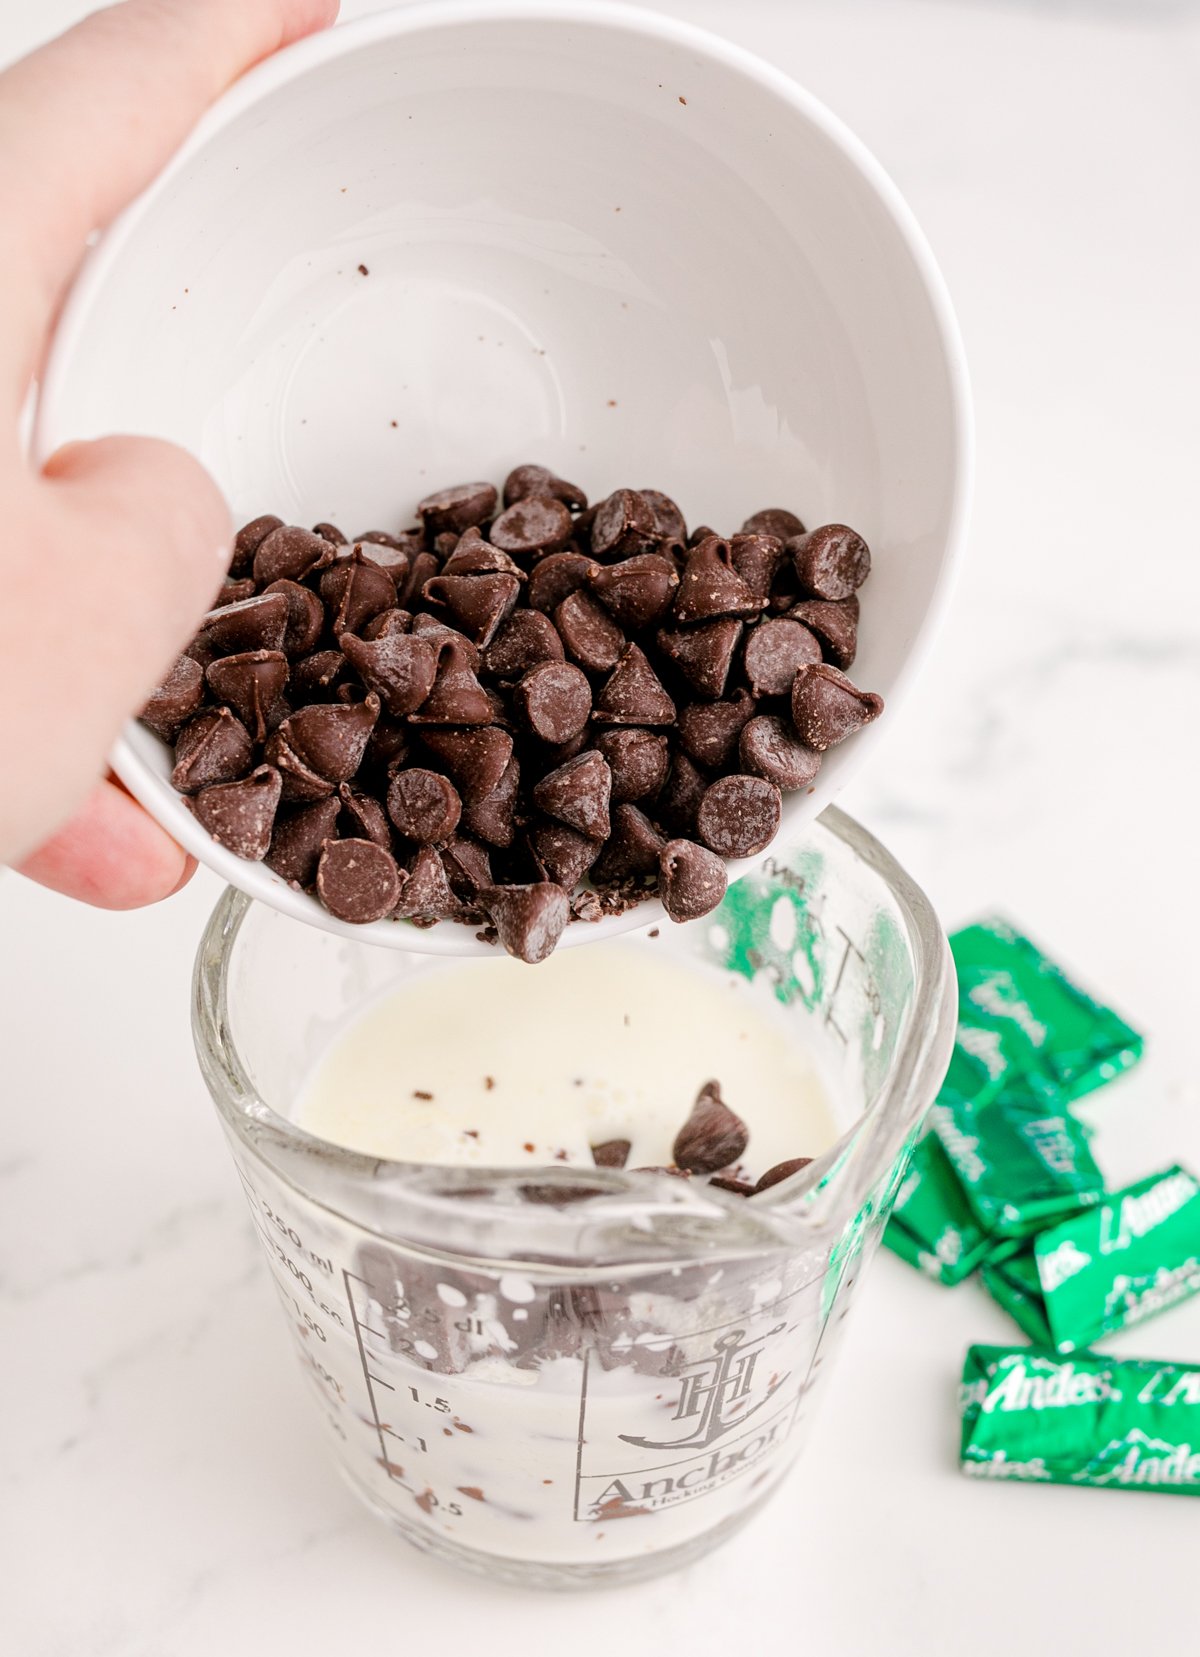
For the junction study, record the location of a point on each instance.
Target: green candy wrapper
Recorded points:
(1134, 1254)
(1018, 1012)
(932, 1226)
(1130, 1424)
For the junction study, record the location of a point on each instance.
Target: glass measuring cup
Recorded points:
(566, 1376)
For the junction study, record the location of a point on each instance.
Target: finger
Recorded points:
(87, 121)
(111, 854)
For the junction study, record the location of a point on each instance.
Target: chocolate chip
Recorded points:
(330, 533)
(555, 578)
(386, 624)
(539, 480)
(709, 731)
(314, 677)
(677, 805)
(711, 587)
(613, 1153)
(213, 747)
(298, 838)
(468, 867)
(526, 639)
(255, 624)
(248, 540)
(251, 684)
(365, 815)
(712, 1137)
(529, 919)
(835, 625)
(700, 534)
(289, 553)
(669, 524)
(691, 880)
(423, 566)
(827, 707)
(387, 746)
(475, 556)
(492, 818)
(774, 650)
(305, 617)
(172, 703)
(475, 759)
(457, 697)
(561, 854)
(425, 626)
(781, 1171)
(354, 590)
(773, 520)
(638, 761)
(704, 654)
(624, 523)
(633, 848)
(425, 893)
(770, 748)
(633, 694)
(535, 523)
(476, 604)
(830, 562)
(240, 815)
(399, 667)
(234, 592)
(424, 805)
(739, 815)
(739, 1187)
(554, 700)
(458, 508)
(357, 881)
(578, 794)
(589, 633)
(638, 590)
(757, 559)
(409, 541)
(330, 738)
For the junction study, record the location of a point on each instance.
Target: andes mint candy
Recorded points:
(458, 508)
(212, 747)
(578, 794)
(774, 650)
(529, 919)
(739, 815)
(827, 708)
(171, 704)
(691, 880)
(633, 694)
(830, 562)
(713, 1137)
(424, 805)
(240, 815)
(769, 747)
(358, 881)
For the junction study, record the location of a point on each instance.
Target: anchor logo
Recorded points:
(713, 1390)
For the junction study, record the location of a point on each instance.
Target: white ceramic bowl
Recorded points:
(594, 238)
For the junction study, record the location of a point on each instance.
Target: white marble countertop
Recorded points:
(160, 1499)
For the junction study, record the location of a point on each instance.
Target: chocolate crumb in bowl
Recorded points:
(613, 1153)
(539, 689)
(726, 1182)
(781, 1171)
(713, 1137)
(357, 880)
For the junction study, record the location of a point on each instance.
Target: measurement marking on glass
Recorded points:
(385, 1460)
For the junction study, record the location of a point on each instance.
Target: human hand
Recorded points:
(85, 124)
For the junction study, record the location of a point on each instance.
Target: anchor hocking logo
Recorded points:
(713, 1391)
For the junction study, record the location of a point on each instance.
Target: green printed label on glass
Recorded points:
(1131, 1424)
(1018, 1011)
(932, 1226)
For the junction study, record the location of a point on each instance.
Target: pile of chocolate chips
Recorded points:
(464, 720)
(712, 1141)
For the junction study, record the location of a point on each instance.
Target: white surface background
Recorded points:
(160, 1498)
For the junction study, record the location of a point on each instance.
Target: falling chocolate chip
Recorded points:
(827, 707)
(555, 578)
(757, 559)
(554, 700)
(709, 731)
(769, 747)
(458, 508)
(589, 633)
(425, 892)
(529, 919)
(535, 523)
(240, 815)
(638, 760)
(298, 838)
(739, 815)
(354, 591)
(712, 1138)
(561, 854)
(399, 667)
(578, 794)
(634, 847)
(633, 694)
(526, 639)
(637, 591)
(457, 697)
(255, 624)
(612, 1153)
(250, 684)
(711, 587)
(475, 759)
(171, 704)
(289, 553)
(248, 540)
(212, 747)
(774, 650)
(773, 520)
(781, 1171)
(492, 818)
(305, 617)
(835, 625)
(704, 654)
(424, 805)
(358, 881)
(539, 480)
(691, 880)
(830, 562)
